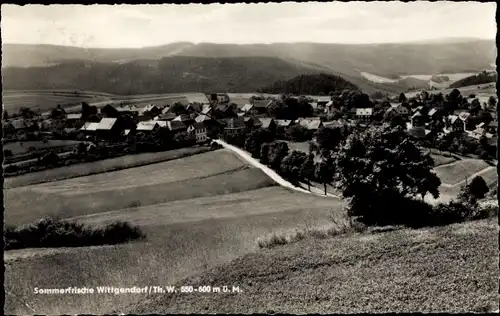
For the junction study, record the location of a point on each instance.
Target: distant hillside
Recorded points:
(167, 75)
(385, 60)
(320, 84)
(481, 78)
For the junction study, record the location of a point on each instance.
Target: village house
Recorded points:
(147, 127)
(165, 117)
(149, 112)
(184, 118)
(89, 129)
(282, 125)
(400, 109)
(207, 110)
(417, 119)
(364, 114)
(323, 101)
(110, 128)
(218, 98)
(234, 125)
(252, 122)
(211, 125)
(312, 124)
(453, 124)
(176, 126)
(200, 130)
(259, 106)
(492, 127)
(74, 120)
(435, 114)
(132, 110)
(267, 123)
(194, 107)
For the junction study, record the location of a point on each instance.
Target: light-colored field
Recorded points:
(46, 100)
(442, 160)
(207, 174)
(100, 166)
(18, 149)
(456, 172)
(450, 269)
(378, 79)
(184, 237)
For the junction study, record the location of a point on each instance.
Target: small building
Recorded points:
(417, 119)
(74, 120)
(364, 113)
(147, 126)
(149, 112)
(323, 101)
(184, 118)
(234, 125)
(400, 109)
(165, 117)
(200, 130)
(267, 123)
(132, 110)
(176, 126)
(492, 127)
(110, 128)
(252, 121)
(312, 124)
(282, 125)
(194, 107)
(454, 124)
(260, 106)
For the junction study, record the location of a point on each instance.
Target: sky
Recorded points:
(123, 26)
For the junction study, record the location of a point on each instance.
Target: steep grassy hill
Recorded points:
(320, 84)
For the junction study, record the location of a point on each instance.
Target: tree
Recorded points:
(297, 133)
(475, 107)
(277, 151)
(178, 108)
(402, 98)
(380, 164)
(330, 138)
(264, 153)
(254, 141)
(5, 115)
(492, 102)
(478, 188)
(323, 172)
(26, 113)
(291, 164)
(307, 170)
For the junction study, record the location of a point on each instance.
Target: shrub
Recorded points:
(48, 232)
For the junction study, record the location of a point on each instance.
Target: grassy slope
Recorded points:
(456, 172)
(449, 269)
(102, 166)
(184, 237)
(147, 185)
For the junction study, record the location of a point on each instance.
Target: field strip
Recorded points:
(449, 186)
(268, 171)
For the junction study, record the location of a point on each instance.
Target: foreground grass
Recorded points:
(183, 238)
(102, 166)
(447, 269)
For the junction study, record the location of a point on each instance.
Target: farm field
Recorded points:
(156, 183)
(208, 220)
(449, 269)
(456, 172)
(442, 160)
(47, 100)
(18, 148)
(102, 166)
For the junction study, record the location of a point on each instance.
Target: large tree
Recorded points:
(381, 164)
(324, 173)
(307, 170)
(254, 141)
(277, 151)
(291, 164)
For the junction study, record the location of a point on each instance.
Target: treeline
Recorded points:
(380, 171)
(481, 78)
(321, 84)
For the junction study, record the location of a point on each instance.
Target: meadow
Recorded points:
(456, 172)
(45, 100)
(448, 269)
(101, 166)
(192, 223)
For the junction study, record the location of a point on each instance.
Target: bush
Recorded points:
(48, 232)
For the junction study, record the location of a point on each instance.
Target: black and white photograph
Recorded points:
(239, 158)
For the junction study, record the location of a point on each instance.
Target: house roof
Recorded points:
(283, 123)
(234, 123)
(147, 125)
(453, 118)
(323, 99)
(126, 132)
(247, 107)
(206, 109)
(127, 108)
(74, 116)
(182, 118)
(493, 124)
(310, 124)
(166, 116)
(202, 118)
(197, 125)
(262, 104)
(19, 124)
(416, 114)
(166, 110)
(176, 125)
(266, 121)
(194, 106)
(89, 126)
(432, 111)
(106, 123)
(480, 125)
(330, 103)
(464, 116)
(332, 124)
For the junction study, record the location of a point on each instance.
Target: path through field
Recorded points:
(271, 173)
